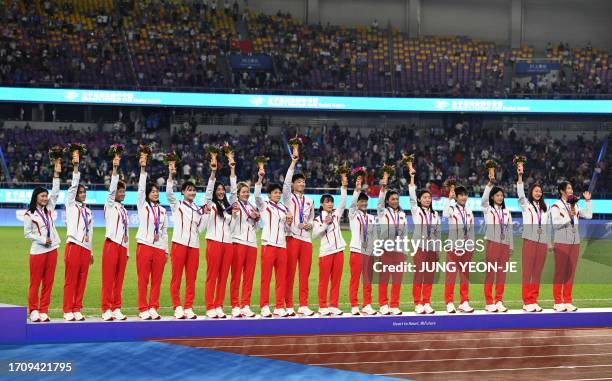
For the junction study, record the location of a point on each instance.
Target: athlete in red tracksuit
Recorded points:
(219, 243)
(299, 242)
(39, 227)
(245, 217)
(151, 247)
(462, 238)
(427, 232)
(78, 257)
(331, 251)
(115, 252)
(189, 221)
(276, 219)
(536, 239)
(566, 218)
(361, 260)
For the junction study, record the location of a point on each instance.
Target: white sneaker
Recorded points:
(537, 307)
(265, 312)
(280, 312)
(246, 312)
(290, 312)
(44, 317)
(465, 307)
(305, 311)
(429, 309)
(529, 308)
(211, 314)
(34, 316)
(324, 312)
(384, 310)
(559, 307)
(355, 311)
(144, 315)
(336, 311)
(117, 315)
(419, 309)
(220, 313)
(154, 314)
(395, 311)
(107, 315)
(179, 313)
(78, 316)
(368, 310)
(69, 316)
(500, 307)
(569, 307)
(491, 308)
(450, 308)
(189, 314)
(236, 313)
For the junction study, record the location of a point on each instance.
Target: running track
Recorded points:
(564, 354)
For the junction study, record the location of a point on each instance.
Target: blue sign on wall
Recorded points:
(251, 62)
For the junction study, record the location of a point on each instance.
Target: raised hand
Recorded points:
(344, 181)
(235, 209)
(116, 161)
(294, 158)
(142, 162)
(451, 194)
(587, 196)
(57, 168)
(358, 183)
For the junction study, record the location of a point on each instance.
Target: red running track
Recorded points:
(564, 354)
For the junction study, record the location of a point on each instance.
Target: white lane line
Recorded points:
(499, 370)
(463, 359)
(429, 350)
(397, 341)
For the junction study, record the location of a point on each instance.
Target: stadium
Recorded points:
(277, 153)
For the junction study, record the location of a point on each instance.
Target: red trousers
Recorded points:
(114, 260)
(464, 276)
(298, 253)
(273, 257)
(390, 258)
(243, 270)
(498, 254)
(360, 264)
(42, 273)
(534, 256)
(566, 260)
(77, 260)
(423, 278)
(184, 258)
(218, 262)
(150, 263)
(330, 268)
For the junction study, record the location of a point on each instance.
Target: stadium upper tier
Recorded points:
(171, 45)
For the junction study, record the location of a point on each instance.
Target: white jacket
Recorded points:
(274, 217)
(302, 208)
(116, 217)
(150, 215)
(244, 227)
(426, 223)
(39, 225)
(79, 219)
(363, 227)
(189, 220)
(494, 231)
(330, 234)
(392, 223)
(536, 223)
(460, 224)
(219, 228)
(563, 230)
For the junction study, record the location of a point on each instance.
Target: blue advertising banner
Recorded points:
(251, 62)
(14, 94)
(536, 68)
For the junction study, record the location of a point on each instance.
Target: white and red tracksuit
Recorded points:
(392, 224)
(115, 252)
(37, 227)
(79, 224)
(331, 252)
(536, 239)
(189, 222)
(219, 248)
(361, 260)
(566, 247)
(151, 248)
(427, 231)
(273, 249)
(500, 244)
(299, 242)
(461, 229)
(244, 235)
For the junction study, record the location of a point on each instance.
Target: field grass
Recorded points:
(593, 283)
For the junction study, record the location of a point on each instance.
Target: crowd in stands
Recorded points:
(458, 151)
(186, 45)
